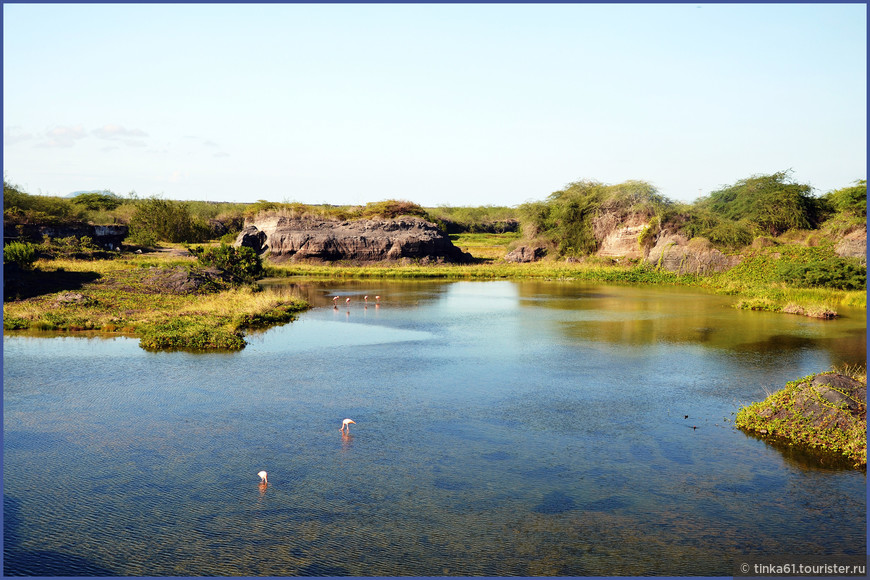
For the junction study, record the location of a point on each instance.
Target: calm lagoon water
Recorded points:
(502, 428)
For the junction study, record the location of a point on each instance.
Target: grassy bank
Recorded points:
(794, 279)
(120, 296)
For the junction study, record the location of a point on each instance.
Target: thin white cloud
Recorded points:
(118, 132)
(16, 134)
(210, 143)
(221, 154)
(62, 136)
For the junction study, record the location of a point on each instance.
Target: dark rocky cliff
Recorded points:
(109, 237)
(296, 239)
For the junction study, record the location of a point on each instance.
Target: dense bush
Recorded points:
(836, 273)
(773, 203)
(22, 208)
(393, 208)
(243, 264)
(162, 220)
(21, 253)
(723, 233)
(849, 199)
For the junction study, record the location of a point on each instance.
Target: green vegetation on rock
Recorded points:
(826, 412)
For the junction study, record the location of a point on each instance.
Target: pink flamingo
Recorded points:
(345, 425)
(263, 478)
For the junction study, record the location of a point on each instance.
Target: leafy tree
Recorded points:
(95, 201)
(773, 203)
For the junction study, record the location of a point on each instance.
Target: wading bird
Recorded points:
(345, 425)
(347, 301)
(263, 478)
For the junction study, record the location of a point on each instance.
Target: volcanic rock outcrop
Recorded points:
(375, 240)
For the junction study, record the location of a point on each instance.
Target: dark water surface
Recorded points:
(502, 428)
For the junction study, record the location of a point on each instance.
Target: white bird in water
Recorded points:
(378, 298)
(263, 478)
(345, 425)
(347, 301)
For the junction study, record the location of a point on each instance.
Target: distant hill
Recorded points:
(78, 193)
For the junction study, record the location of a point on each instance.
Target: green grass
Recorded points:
(121, 301)
(628, 274)
(485, 246)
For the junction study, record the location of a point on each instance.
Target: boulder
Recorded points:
(525, 254)
(358, 240)
(181, 280)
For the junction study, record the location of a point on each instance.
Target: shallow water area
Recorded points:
(502, 428)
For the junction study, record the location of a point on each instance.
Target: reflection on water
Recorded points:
(530, 428)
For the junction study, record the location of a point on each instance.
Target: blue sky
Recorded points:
(440, 104)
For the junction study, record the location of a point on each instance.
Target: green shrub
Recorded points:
(22, 208)
(22, 253)
(773, 203)
(836, 273)
(850, 199)
(243, 264)
(393, 208)
(164, 220)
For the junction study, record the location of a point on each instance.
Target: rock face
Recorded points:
(109, 237)
(620, 241)
(675, 253)
(360, 240)
(854, 245)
